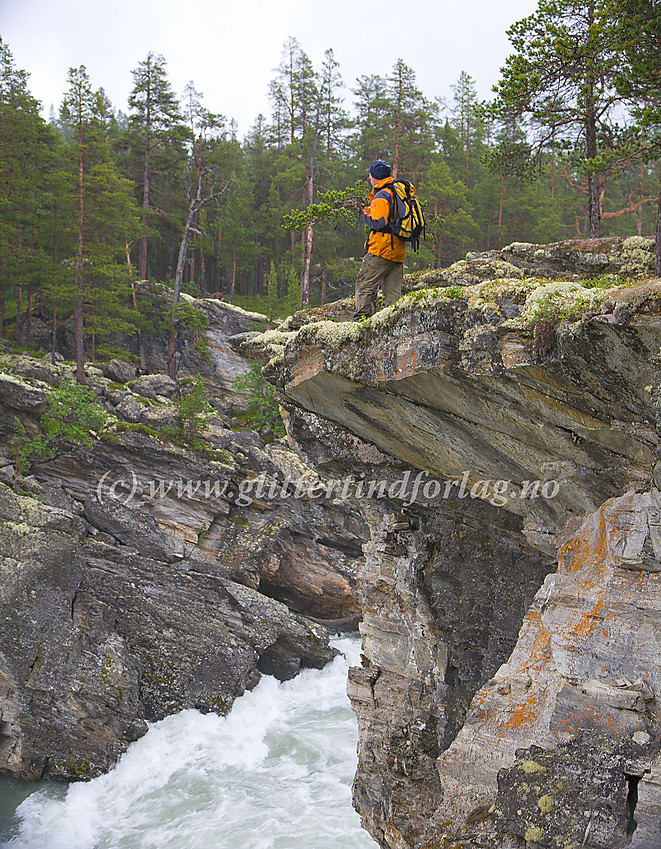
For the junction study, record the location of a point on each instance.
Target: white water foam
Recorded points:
(275, 773)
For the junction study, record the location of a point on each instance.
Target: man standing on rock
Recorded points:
(383, 263)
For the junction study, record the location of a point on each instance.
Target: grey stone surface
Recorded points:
(128, 410)
(153, 385)
(144, 577)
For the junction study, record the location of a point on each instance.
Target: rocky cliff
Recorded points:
(140, 576)
(500, 434)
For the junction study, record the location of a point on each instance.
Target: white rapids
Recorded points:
(275, 773)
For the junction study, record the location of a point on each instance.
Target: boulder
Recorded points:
(128, 409)
(152, 385)
(159, 418)
(119, 371)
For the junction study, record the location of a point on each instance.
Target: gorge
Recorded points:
(509, 612)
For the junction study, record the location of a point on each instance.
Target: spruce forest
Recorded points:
(102, 196)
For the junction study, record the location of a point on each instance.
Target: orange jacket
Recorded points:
(376, 217)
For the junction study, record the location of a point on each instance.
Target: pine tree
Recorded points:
(105, 217)
(466, 119)
(563, 74)
(293, 94)
(205, 184)
(370, 103)
(450, 226)
(26, 155)
(156, 134)
(639, 81)
(334, 118)
(410, 117)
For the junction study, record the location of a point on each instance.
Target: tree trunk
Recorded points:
(146, 190)
(19, 288)
(141, 343)
(219, 276)
(53, 343)
(203, 269)
(594, 200)
(657, 256)
(500, 204)
(195, 205)
(181, 259)
(438, 241)
(305, 276)
(78, 278)
(19, 314)
(398, 129)
(178, 279)
(28, 321)
(233, 284)
(553, 176)
(78, 332)
(191, 269)
(309, 197)
(594, 215)
(171, 265)
(323, 286)
(193, 208)
(142, 257)
(468, 133)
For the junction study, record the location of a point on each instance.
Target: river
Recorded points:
(275, 773)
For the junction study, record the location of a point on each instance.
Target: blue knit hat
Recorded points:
(379, 169)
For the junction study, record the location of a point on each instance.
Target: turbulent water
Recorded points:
(274, 774)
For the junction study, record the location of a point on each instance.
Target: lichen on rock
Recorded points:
(637, 256)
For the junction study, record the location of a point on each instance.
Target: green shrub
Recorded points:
(72, 418)
(194, 321)
(193, 408)
(263, 412)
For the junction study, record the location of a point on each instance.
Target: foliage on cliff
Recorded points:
(72, 418)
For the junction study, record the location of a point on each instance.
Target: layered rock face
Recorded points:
(98, 637)
(508, 691)
(571, 259)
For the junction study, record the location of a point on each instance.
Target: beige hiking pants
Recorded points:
(375, 271)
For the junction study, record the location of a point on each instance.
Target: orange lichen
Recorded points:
(524, 714)
(537, 656)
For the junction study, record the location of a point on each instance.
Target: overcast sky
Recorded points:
(229, 48)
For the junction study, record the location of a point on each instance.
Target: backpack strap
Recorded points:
(391, 213)
(392, 201)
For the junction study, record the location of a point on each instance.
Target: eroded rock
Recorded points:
(99, 635)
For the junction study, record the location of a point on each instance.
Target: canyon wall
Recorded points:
(508, 692)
